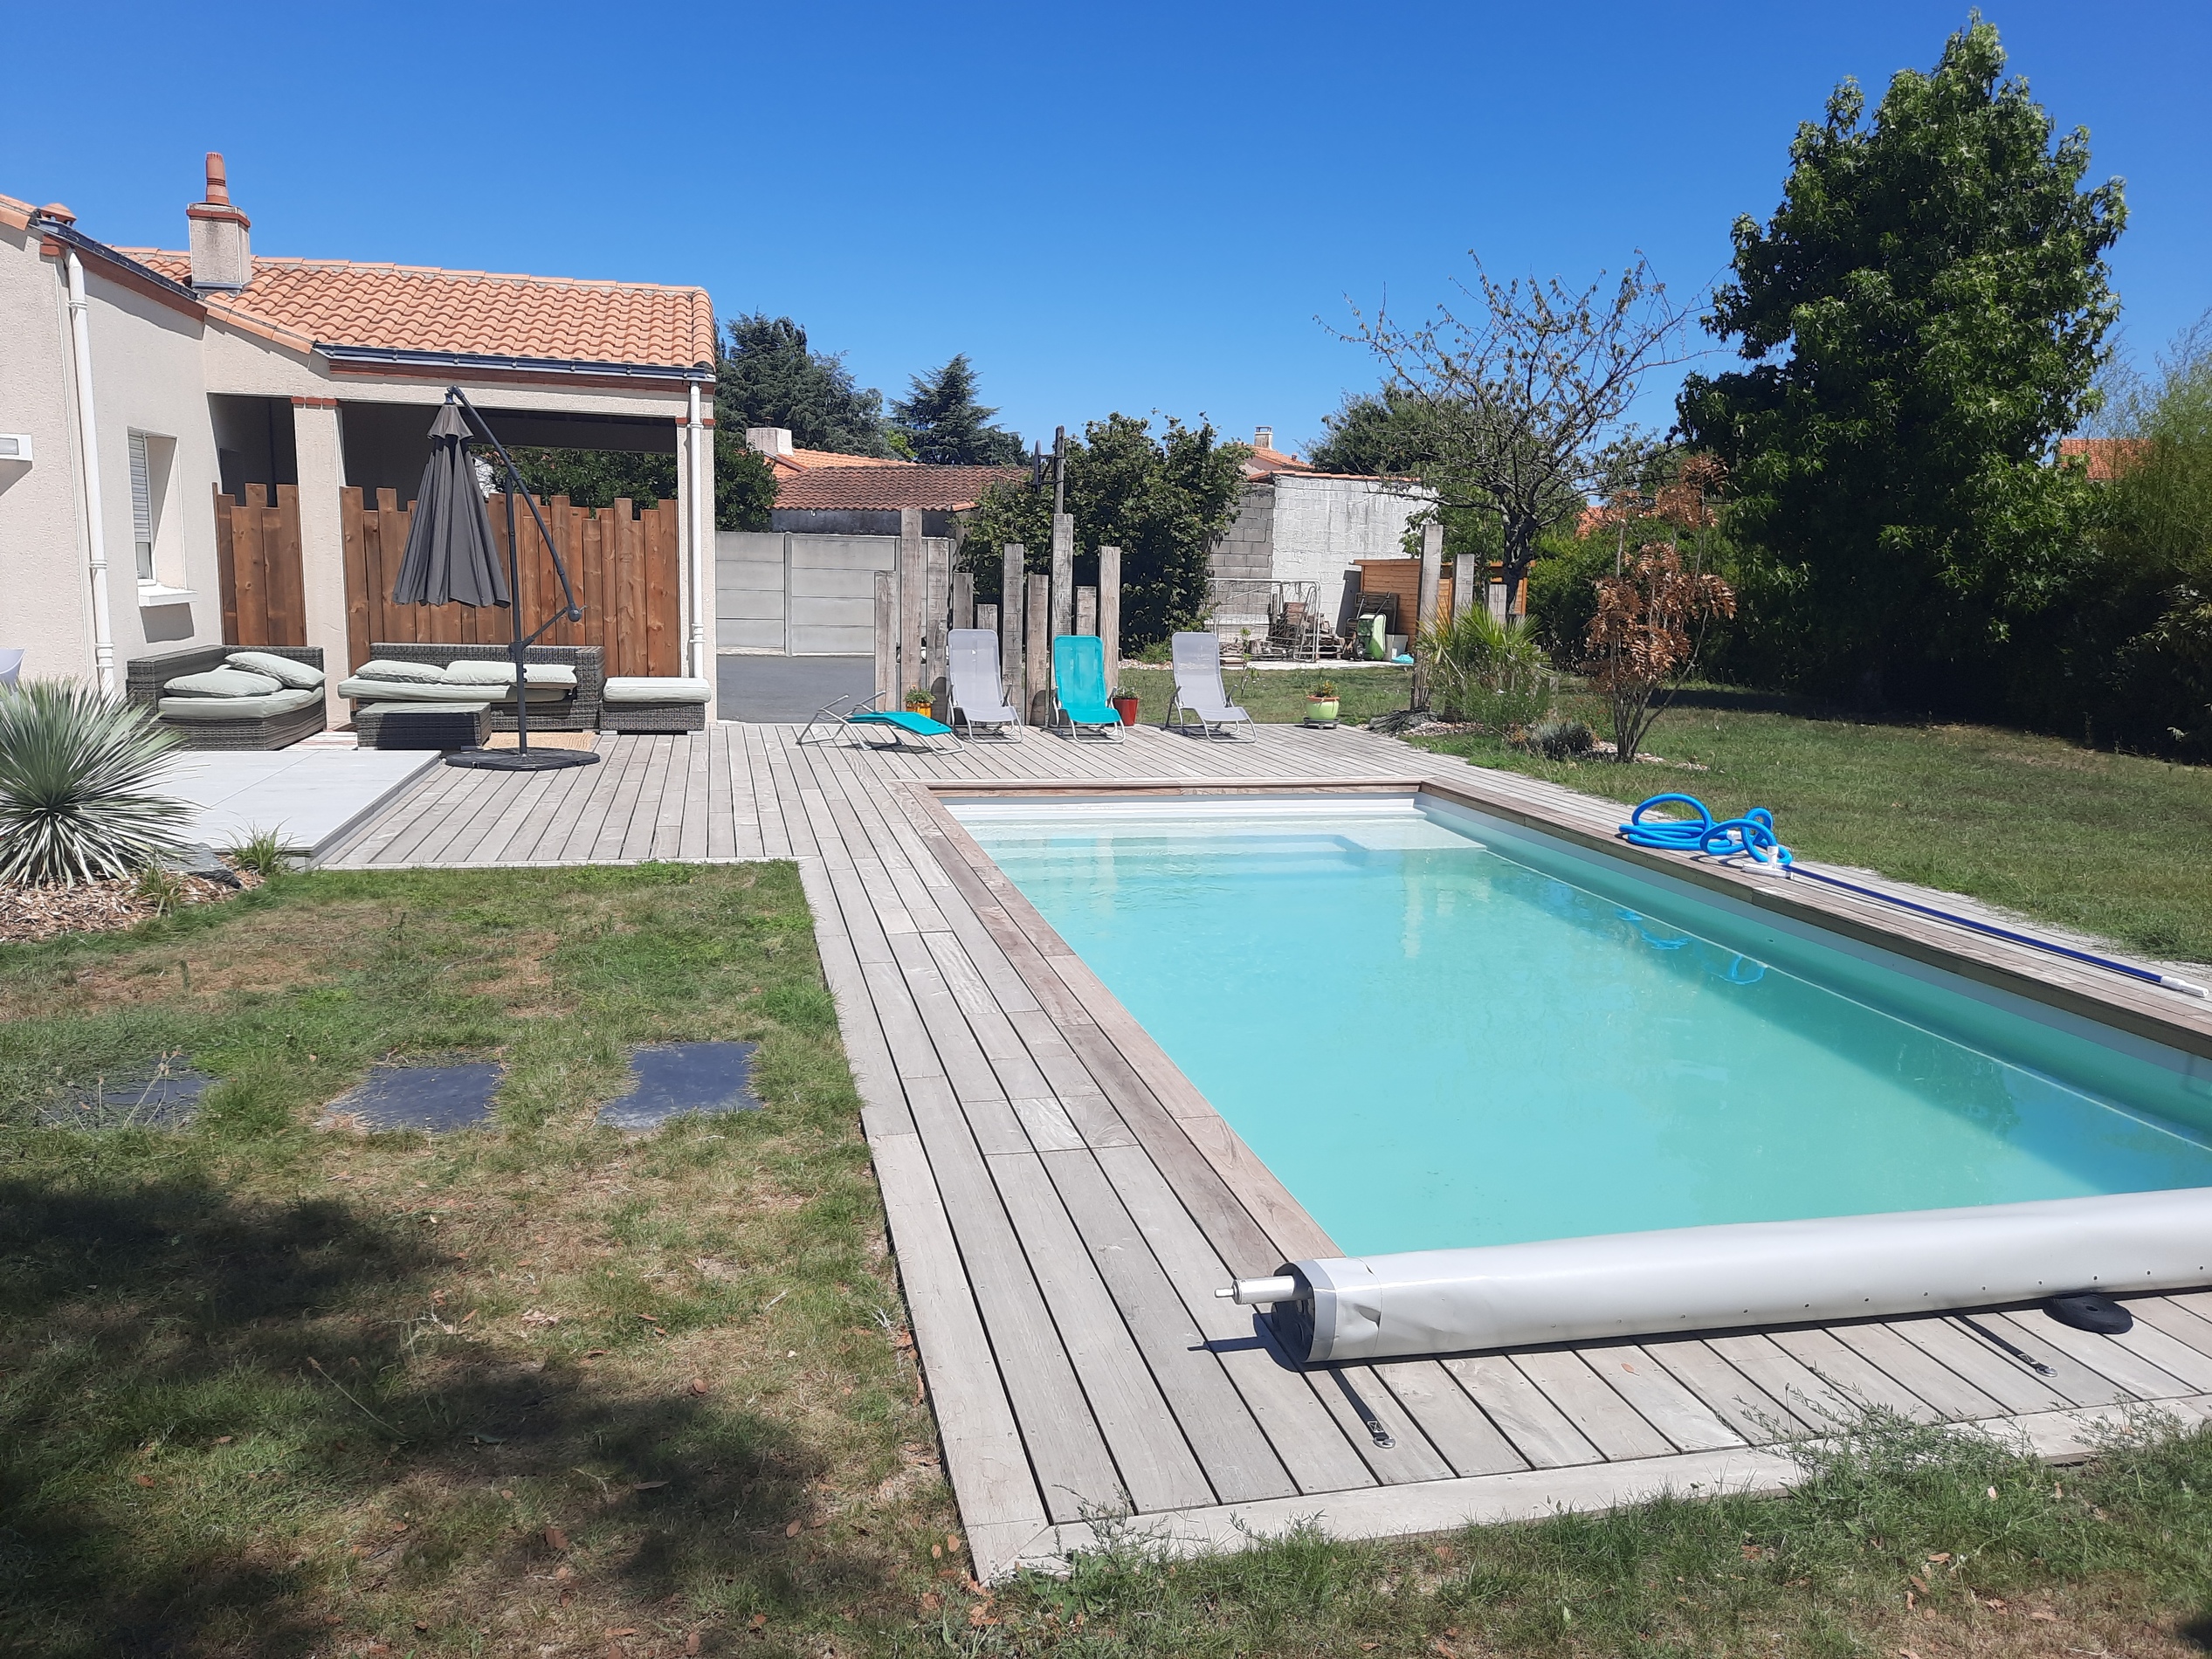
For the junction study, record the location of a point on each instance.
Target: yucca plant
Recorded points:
(77, 775)
(1481, 669)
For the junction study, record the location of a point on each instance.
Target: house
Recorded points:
(203, 446)
(2101, 459)
(833, 494)
(1304, 529)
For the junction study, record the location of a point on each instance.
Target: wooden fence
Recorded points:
(257, 558)
(625, 567)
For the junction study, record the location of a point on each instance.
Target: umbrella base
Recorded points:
(521, 760)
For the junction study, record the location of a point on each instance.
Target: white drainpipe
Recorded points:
(81, 338)
(696, 486)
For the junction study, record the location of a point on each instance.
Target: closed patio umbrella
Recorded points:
(450, 558)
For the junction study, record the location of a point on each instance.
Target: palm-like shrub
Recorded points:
(1481, 669)
(77, 771)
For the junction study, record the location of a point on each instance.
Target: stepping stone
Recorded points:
(436, 1097)
(676, 1078)
(160, 1096)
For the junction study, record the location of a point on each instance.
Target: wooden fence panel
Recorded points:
(257, 556)
(625, 568)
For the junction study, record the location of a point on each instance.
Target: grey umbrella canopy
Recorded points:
(451, 558)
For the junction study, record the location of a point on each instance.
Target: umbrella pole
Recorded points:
(515, 609)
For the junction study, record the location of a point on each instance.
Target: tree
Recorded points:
(943, 424)
(744, 483)
(769, 376)
(1163, 500)
(1650, 619)
(1503, 412)
(1924, 314)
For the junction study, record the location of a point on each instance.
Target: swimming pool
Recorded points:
(1442, 1030)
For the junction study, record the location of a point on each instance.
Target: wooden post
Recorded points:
(987, 619)
(963, 599)
(1038, 706)
(913, 581)
(888, 685)
(1467, 571)
(1063, 573)
(1500, 600)
(1010, 622)
(1110, 612)
(937, 555)
(1425, 605)
(1087, 611)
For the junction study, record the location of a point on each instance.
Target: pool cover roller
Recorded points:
(1744, 1273)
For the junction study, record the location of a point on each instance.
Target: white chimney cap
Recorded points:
(1263, 437)
(769, 440)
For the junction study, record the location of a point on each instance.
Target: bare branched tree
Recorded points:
(1512, 406)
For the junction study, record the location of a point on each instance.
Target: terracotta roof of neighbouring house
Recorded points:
(799, 461)
(1265, 464)
(2101, 456)
(474, 313)
(14, 214)
(883, 485)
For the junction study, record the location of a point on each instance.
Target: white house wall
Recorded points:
(45, 599)
(1323, 525)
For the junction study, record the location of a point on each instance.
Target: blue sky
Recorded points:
(1131, 207)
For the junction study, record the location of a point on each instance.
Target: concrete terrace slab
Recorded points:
(1064, 1202)
(311, 795)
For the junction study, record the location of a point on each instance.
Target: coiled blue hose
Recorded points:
(1752, 834)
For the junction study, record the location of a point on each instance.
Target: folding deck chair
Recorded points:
(1079, 687)
(977, 686)
(866, 717)
(1198, 689)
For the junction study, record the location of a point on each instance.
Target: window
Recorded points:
(142, 506)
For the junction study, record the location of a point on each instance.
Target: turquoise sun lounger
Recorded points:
(1079, 687)
(900, 723)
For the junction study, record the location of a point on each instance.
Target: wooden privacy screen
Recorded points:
(624, 568)
(257, 560)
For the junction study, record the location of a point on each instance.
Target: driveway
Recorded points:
(787, 688)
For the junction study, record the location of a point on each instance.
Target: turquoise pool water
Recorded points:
(1440, 1030)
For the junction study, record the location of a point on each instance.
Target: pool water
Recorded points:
(1439, 1029)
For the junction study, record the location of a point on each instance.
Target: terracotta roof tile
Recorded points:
(882, 485)
(14, 214)
(2101, 457)
(1263, 463)
(396, 307)
(800, 461)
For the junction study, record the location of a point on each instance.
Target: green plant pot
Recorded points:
(1321, 708)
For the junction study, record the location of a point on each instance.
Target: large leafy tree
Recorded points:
(943, 425)
(744, 484)
(1161, 499)
(1923, 315)
(769, 376)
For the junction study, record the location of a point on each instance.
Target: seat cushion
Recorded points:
(221, 683)
(904, 719)
(638, 688)
(361, 689)
(500, 671)
(284, 700)
(285, 670)
(393, 672)
(387, 710)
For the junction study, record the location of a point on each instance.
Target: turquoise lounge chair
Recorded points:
(900, 722)
(1078, 684)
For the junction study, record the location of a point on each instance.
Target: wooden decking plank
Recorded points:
(1230, 1446)
(1614, 1426)
(1952, 1394)
(1812, 1402)
(1157, 1465)
(1735, 1399)
(697, 838)
(2081, 1385)
(2114, 1356)
(1455, 1425)
(1851, 1373)
(575, 839)
(1538, 1429)
(2170, 1315)
(2016, 1386)
(1662, 1399)
(491, 840)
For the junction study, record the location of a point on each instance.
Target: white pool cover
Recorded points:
(1745, 1273)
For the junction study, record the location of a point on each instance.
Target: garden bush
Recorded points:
(77, 771)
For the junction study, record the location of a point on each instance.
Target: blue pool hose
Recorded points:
(1752, 834)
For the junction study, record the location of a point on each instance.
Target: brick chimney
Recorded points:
(1263, 437)
(222, 252)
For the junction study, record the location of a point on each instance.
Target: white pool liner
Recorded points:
(1743, 1274)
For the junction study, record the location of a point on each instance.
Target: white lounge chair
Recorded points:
(977, 686)
(1198, 689)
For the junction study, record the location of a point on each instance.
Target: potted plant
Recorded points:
(917, 703)
(1125, 704)
(1321, 704)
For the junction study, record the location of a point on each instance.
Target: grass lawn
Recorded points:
(1278, 695)
(543, 1389)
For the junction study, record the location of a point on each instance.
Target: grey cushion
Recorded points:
(390, 672)
(412, 707)
(637, 688)
(501, 672)
(238, 708)
(285, 670)
(361, 689)
(223, 682)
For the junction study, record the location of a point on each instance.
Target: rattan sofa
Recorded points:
(145, 677)
(578, 711)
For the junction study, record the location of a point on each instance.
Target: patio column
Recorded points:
(318, 443)
(696, 517)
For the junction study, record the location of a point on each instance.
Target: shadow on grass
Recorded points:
(218, 1427)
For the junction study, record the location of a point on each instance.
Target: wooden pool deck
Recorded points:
(1064, 1203)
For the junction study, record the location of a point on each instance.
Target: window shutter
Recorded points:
(142, 506)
